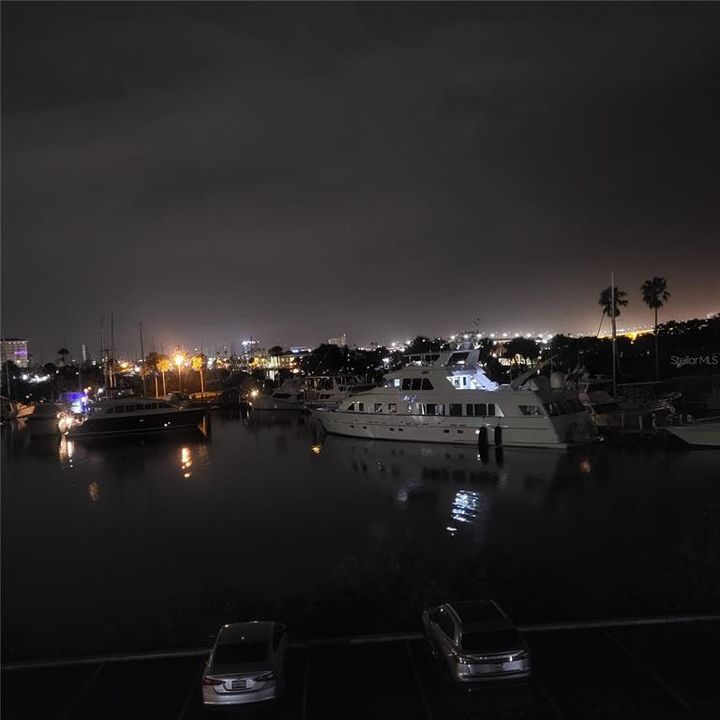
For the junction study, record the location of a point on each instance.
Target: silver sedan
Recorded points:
(247, 664)
(477, 641)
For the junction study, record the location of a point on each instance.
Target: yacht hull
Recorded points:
(698, 434)
(452, 431)
(150, 423)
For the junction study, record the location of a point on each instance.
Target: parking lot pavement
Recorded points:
(47, 693)
(659, 671)
(683, 658)
(140, 689)
(588, 676)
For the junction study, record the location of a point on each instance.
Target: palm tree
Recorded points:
(164, 365)
(606, 302)
(655, 295)
(198, 364)
(151, 364)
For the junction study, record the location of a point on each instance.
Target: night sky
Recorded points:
(294, 171)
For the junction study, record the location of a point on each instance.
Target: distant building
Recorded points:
(339, 341)
(15, 350)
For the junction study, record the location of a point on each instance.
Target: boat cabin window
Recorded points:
(426, 384)
(455, 409)
(361, 407)
(530, 410)
(351, 407)
(282, 396)
(480, 409)
(416, 384)
(430, 408)
(392, 407)
(458, 358)
(378, 407)
(406, 383)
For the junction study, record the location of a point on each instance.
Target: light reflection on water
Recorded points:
(282, 509)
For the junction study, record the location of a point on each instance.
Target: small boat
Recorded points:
(136, 416)
(699, 433)
(288, 396)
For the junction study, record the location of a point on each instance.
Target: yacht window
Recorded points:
(361, 407)
(282, 396)
(151, 406)
(426, 384)
(164, 405)
(469, 409)
(530, 410)
(464, 380)
(491, 409)
(110, 411)
(410, 409)
(455, 409)
(430, 409)
(481, 409)
(406, 383)
(416, 384)
(392, 407)
(378, 407)
(351, 407)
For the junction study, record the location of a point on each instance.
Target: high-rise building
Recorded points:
(15, 350)
(339, 341)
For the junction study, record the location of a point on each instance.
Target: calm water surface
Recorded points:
(120, 546)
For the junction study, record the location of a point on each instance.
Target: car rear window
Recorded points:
(232, 654)
(490, 642)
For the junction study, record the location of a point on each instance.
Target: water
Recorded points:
(130, 545)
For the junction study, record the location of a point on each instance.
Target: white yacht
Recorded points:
(699, 433)
(288, 396)
(328, 391)
(453, 401)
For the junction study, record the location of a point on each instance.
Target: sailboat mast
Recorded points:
(614, 351)
(142, 361)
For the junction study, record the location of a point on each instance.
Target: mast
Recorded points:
(142, 361)
(614, 334)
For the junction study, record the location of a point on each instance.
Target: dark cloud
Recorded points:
(293, 170)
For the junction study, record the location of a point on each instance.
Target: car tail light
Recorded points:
(264, 677)
(211, 681)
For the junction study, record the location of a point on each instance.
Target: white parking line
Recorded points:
(193, 685)
(648, 670)
(305, 685)
(421, 689)
(543, 691)
(83, 691)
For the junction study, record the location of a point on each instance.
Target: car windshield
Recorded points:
(491, 642)
(233, 654)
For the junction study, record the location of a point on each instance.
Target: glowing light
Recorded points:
(185, 461)
(94, 491)
(254, 393)
(317, 449)
(179, 359)
(585, 466)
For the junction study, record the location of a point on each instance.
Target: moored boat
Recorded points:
(288, 396)
(453, 401)
(136, 416)
(699, 433)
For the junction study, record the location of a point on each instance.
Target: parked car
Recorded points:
(247, 664)
(476, 641)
